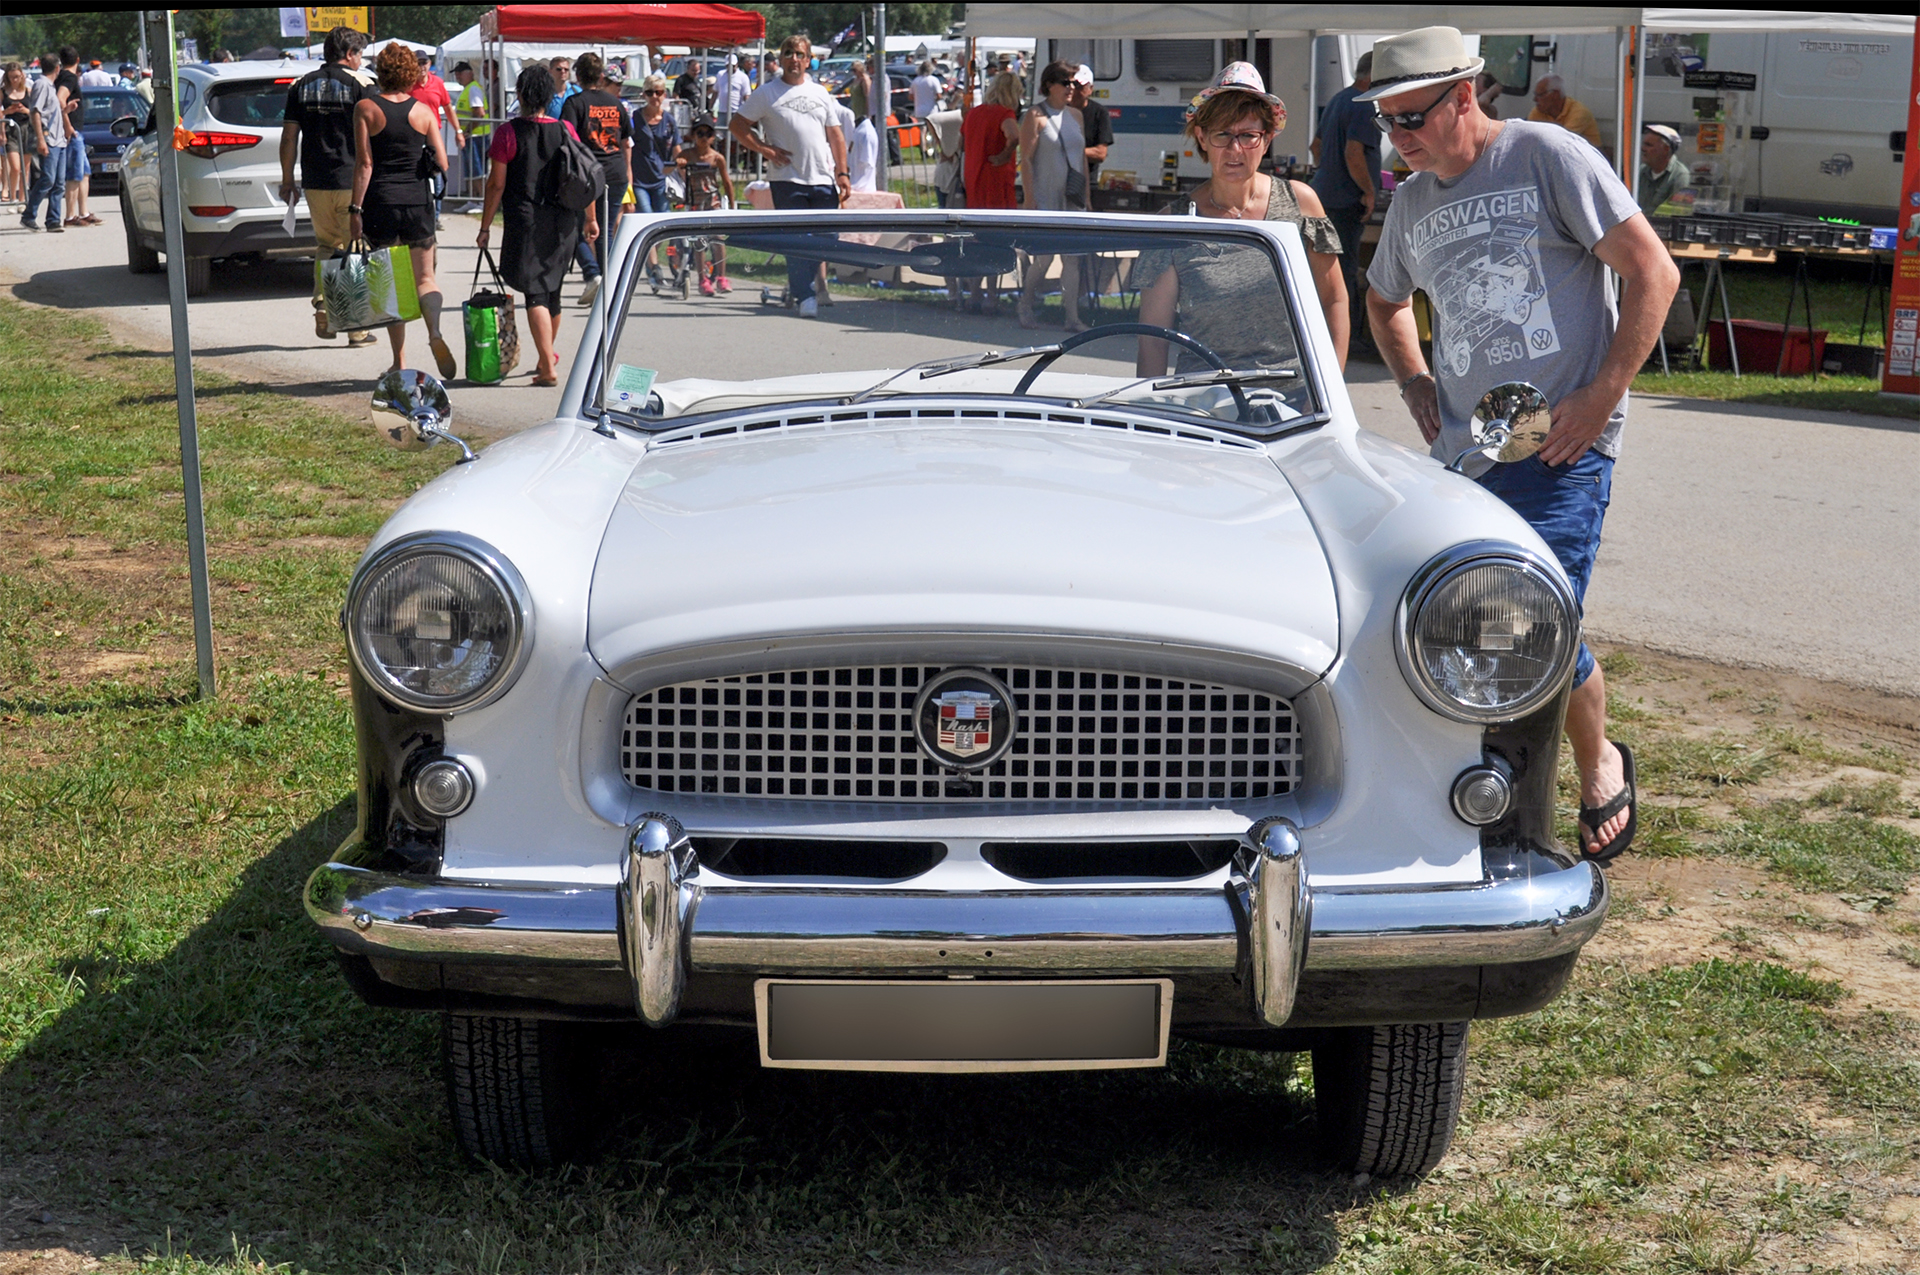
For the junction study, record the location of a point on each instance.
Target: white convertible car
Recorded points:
(920, 698)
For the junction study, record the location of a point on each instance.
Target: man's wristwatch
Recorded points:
(1417, 376)
(355, 208)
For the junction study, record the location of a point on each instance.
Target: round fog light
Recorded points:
(443, 788)
(1482, 795)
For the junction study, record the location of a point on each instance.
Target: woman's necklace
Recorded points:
(1236, 212)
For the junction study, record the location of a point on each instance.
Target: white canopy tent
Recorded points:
(468, 45)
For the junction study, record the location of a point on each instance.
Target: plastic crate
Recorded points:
(1746, 232)
(1759, 346)
(1694, 229)
(1850, 236)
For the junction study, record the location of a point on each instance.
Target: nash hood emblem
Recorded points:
(964, 719)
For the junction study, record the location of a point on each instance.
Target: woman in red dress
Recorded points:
(990, 136)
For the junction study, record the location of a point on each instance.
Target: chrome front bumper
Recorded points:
(663, 922)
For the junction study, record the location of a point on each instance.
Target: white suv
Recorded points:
(229, 176)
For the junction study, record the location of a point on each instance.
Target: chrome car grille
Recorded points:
(846, 734)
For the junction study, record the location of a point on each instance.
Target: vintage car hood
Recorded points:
(992, 527)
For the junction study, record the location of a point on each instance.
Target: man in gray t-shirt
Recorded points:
(1510, 229)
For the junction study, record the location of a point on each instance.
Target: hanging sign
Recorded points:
(293, 23)
(1900, 375)
(327, 18)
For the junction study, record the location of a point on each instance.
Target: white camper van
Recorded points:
(1826, 121)
(1146, 85)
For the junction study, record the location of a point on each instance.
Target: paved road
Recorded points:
(1781, 539)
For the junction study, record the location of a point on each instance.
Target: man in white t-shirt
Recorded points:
(926, 92)
(802, 139)
(730, 89)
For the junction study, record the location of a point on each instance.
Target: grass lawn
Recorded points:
(186, 1083)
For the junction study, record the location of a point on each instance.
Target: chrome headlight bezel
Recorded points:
(1438, 572)
(491, 564)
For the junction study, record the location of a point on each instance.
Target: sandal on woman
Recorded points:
(1025, 316)
(1074, 327)
(1594, 817)
(444, 357)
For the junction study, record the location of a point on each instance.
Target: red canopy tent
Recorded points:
(701, 25)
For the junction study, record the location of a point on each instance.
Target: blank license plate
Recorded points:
(963, 1024)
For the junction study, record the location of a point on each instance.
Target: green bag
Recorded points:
(493, 338)
(369, 288)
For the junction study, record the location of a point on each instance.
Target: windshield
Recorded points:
(1198, 326)
(98, 109)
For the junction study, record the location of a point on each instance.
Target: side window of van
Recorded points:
(1183, 61)
(1102, 55)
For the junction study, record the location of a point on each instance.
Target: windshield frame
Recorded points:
(648, 231)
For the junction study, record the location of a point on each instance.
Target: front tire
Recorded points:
(516, 1088)
(140, 258)
(1388, 1098)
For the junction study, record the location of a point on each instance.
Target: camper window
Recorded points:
(1102, 55)
(1184, 61)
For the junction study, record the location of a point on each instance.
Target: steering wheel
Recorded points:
(1079, 339)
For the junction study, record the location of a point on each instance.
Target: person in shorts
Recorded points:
(1511, 228)
(318, 130)
(599, 118)
(398, 144)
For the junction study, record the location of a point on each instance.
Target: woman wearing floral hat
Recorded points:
(1233, 122)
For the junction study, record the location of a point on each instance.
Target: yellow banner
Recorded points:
(320, 21)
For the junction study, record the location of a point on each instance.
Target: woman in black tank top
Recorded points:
(399, 148)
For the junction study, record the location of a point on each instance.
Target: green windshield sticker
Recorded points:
(632, 384)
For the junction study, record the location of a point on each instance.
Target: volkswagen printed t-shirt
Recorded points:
(322, 105)
(1503, 252)
(602, 123)
(795, 117)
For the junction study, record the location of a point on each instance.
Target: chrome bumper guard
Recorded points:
(662, 923)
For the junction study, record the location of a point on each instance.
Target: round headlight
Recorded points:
(439, 622)
(1487, 636)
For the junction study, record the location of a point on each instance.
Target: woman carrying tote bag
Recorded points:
(537, 245)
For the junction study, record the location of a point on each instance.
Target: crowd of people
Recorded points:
(46, 164)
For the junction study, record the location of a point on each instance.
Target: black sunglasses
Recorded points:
(1412, 121)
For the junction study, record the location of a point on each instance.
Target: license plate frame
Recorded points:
(1027, 1024)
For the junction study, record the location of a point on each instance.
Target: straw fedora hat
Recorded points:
(1415, 59)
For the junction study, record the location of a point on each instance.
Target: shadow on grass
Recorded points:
(230, 1092)
(1863, 409)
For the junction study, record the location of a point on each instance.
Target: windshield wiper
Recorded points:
(1191, 380)
(940, 367)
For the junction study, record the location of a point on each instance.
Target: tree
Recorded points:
(822, 22)
(424, 23)
(113, 36)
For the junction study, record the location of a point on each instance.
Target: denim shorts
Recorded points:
(1566, 504)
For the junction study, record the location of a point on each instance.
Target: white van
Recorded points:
(1829, 114)
(1146, 85)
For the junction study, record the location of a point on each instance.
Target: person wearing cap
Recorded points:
(1224, 298)
(1510, 228)
(1096, 124)
(96, 76)
(1551, 105)
(470, 105)
(1662, 174)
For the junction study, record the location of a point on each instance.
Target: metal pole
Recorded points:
(1639, 56)
(159, 26)
(880, 101)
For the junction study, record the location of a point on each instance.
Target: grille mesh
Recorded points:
(846, 734)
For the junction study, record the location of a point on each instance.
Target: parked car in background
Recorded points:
(109, 121)
(229, 174)
(901, 700)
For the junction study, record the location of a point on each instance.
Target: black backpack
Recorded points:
(574, 179)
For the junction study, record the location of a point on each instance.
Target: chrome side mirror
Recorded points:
(125, 126)
(410, 410)
(1510, 422)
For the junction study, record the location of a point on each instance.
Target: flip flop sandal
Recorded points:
(1594, 816)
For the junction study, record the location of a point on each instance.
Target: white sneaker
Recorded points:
(592, 290)
(809, 309)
